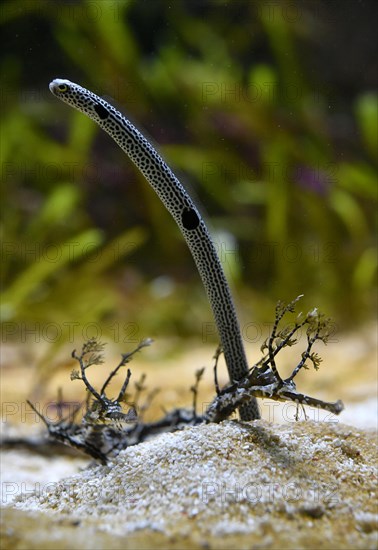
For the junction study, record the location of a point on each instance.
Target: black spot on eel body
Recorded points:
(190, 219)
(101, 111)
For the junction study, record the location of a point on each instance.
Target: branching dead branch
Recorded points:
(105, 428)
(264, 380)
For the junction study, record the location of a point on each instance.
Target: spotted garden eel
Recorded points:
(182, 208)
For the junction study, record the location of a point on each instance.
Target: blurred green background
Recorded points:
(266, 110)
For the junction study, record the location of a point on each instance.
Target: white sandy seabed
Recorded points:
(261, 479)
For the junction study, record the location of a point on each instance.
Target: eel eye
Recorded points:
(62, 87)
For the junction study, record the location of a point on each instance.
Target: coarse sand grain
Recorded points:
(304, 483)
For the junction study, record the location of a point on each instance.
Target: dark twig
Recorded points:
(217, 354)
(83, 366)
(281, 309)
(271, 342)
(59, 404)
(44, 420)
(126, 358)
(194, 390)
(112, 374)
(317, 324)
(264, 380)
(121, 394)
